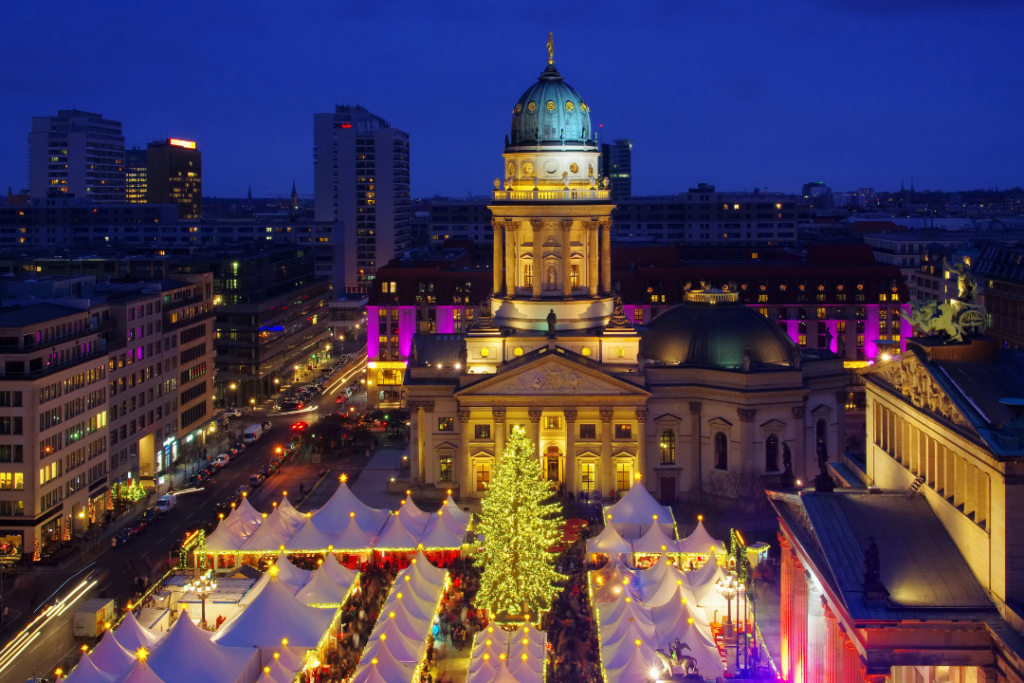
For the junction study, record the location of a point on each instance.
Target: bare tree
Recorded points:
(747, 486)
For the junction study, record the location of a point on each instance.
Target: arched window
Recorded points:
(721, 451)
(771, 453)
(668, 447)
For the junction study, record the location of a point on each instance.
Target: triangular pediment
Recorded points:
(773, 425)
(552, 375)
(667, 417)
(922, 385)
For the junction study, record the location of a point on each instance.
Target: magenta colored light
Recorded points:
(372, 333)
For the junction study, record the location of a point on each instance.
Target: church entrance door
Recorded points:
(668, 490)
(553, 463)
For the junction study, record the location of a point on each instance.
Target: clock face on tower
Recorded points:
(527, 169)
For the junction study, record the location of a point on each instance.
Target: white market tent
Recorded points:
(290, 517)
(353, 537)
(413, 512)
(339, 575)
(132, 635)
(334, 515)
(291, 576)
(275, 614)
(672, 620)
(634, 513)
(87, 672)
(323, 591)
(399, 533)
(615, 579)
(608, 542)
(489, 645)
(443, 531)
(110, 657)
(246, 517)
(188, 654)
(225, 539)
(382, 664)
(452, 508)
(700, 542)
(309, 539)
(276, 672)
(271, 536)
(142, 673)
(655, 541)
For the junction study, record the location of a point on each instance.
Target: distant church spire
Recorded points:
(295, 196)
(250, 193)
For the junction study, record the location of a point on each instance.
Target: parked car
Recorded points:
(166, 503)
(139, 526)
(340, 398)
(242, 490)
(124, 536)
(300, 426)
(275, 462)
(151, 516)
(235, 412)
(266, 471)
(266, 426)
(224, 506)
(222, 460)
(256, 480)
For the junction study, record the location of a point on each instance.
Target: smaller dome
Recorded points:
(716, 335)
(551, 112)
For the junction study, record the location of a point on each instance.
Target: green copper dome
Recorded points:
(551, 112)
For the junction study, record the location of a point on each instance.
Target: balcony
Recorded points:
(31, 346)
(564, 195)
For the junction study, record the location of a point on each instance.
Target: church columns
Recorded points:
(534, 434)
(851, 660)
(606, 257)
(607, 476)
(747, 416)
(570, 449)
(592, 250)
(463, 472)
(538, 256)
(496, 287)
(786, 609)
(566, 259)
(832, 663)
(800, 457)
(798, 639)
(499, 432)
(695, 469)
(815, 633)
(422, 408)
(641, 443)
(511, 248)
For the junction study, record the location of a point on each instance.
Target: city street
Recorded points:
(39, 641)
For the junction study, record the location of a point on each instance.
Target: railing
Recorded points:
(551, 195)
(55, 367)
(32, 346)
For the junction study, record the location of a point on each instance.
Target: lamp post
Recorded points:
(728, 587)
(234, 397)
(277, 388)
(252, 403)
(203, 587)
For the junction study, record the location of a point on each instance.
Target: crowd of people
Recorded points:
(573, 655)
(457, 621)
(358, 620)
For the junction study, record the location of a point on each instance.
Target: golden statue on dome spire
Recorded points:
(551, 47)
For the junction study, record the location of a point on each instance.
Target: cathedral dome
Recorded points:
(716, 334)
(551, 112)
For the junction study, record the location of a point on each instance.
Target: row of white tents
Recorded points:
(344, 523)
(397, 645)
(287, 613)
(639, 612)
(500, 656)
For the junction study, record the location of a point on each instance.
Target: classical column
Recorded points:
(832, 664)
(607, 477)
(641, 442)
(696, 464)
(422, 408)
(511, 249)
(464, 473)
(498, 261)
(538, 256)
(499, 432)
(592, 251)
(570, 450)
(415, 440)
(566, 259)
(786, 609)
(535, 416)
(851, 660)
(800, 457)
(815, 633)
(606, 257)
(798, 622)
(747, 416)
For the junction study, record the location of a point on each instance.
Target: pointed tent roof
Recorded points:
(271, 535)
(353, 537)
(247, 516)
(273, 615)
(636, 669)
(386, 665)
(656, 594)
(482, 670)
(616, 654)
(701, 542)
(290, 517)
(633, 624)
(672, 616)
(410, 626)
(623, 607)
(397, 641)
(291, 576)
(322, 590)
(706, 593)
(708, 573)
(453, 509)
(276, 672)
(414, 512)
(225, 538)
(655, 572)
(608, 542)
(110, 657)
(443, 531)
(654, 541)
(342, 576)
(188, 654)
(333, 517)
(635, 512)
(142, 673)
(698, 639)
(613, 580)
(405, 650)
(418, 607)
(308, 537)
(87, 672)
(422, 566)
(398, 534)
(132, 635)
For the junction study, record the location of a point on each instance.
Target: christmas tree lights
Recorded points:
(520, 526)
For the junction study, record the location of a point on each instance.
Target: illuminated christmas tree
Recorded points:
(520, 525)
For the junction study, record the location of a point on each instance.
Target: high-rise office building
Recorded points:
(136, 175)
(617, 165)
(173, 174)
(361, 181)
(77, 153)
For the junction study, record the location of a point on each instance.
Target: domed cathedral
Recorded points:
(703, 396)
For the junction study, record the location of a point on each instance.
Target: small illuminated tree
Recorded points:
(520, 525)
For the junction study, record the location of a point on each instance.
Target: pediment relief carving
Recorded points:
(550, 376)
(910, 378)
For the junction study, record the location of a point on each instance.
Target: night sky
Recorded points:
(858, 93)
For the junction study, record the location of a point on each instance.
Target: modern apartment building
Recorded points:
(77, 153)
(361, 182)
(617, 166)
(174, 175)
(136, 177)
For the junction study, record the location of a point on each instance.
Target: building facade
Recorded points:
(361, 183)
(617, 166)
(79, 154)
(999, 271)
(173, 175)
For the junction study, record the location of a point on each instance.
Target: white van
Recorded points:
(166, 503)
(252, 432)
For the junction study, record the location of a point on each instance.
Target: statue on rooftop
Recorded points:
(552, 320)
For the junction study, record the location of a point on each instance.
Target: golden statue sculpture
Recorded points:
(551, 47)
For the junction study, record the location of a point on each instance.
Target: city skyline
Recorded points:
(740, 100)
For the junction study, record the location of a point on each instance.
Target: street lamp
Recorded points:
(234, 401)
(203, 586)
(252, 402)
(728, 587)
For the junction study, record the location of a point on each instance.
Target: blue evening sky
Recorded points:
(740, 94)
